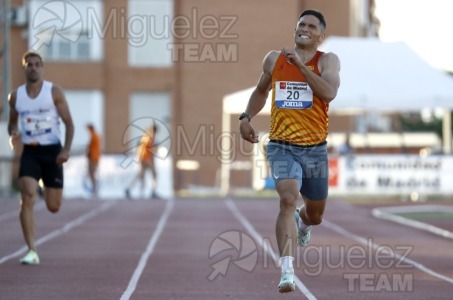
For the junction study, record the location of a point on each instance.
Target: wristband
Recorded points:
(245, 115)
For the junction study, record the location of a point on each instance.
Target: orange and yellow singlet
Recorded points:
(297, 115)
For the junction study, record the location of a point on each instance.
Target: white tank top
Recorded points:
(39, 119)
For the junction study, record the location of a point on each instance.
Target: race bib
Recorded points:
(37, 125)
(293, 95)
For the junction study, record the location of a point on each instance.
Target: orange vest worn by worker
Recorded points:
(94, 147)
(146, 149)
(297, 115)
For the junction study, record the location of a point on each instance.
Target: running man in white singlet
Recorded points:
(38, 106)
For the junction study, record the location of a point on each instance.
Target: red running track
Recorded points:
(215, 249)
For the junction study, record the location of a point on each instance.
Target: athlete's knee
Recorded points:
(26, 204)
(288, 202)
(314, 218)
(53, 207)
(27, 199)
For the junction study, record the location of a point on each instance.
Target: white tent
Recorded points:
(386, 77)
(375, 76)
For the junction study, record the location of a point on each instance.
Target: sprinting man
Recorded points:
(303, 81)
(39, 105)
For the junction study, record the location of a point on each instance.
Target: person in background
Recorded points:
(38, 105)
(345, 148)
(93, 156)
(303, 81)
(145, 153)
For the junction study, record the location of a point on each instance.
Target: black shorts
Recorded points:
(40, 162)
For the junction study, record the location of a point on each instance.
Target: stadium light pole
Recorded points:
(6, 78)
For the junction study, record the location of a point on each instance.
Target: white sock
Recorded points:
(303, 227)
(286, 263)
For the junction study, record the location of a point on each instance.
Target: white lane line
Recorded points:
(375, 246)
(67, 227)
(260, 241)
(388, 213)
(15, 214)
(149, 250)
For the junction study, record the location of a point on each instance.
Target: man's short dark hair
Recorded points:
(30, 54)
(317, 14)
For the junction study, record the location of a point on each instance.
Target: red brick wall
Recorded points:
(198, 87)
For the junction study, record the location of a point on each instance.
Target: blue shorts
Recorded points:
(308, 165)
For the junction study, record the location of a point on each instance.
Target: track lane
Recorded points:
(92, 261)
(97, 259)
(181, 266)
(342, 273)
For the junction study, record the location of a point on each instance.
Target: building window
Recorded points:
(67, 30)
(150, 33)
(61, 48)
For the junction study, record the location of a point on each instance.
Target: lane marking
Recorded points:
(67, 227)
(260, 241)
(15, 214)
(375, 246)
(388, 213)
(149, 250)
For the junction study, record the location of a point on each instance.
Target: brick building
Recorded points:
(124, 63)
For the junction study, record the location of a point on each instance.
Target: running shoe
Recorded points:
(31, 258)
(303, 236)
(287, 283)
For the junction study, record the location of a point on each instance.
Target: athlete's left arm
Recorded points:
(325, 86)
(13, 129)
(65, 115)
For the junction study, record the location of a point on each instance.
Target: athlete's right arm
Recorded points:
(13, 129)
(258, 97)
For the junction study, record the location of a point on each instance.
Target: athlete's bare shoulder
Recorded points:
(270, 60)
(12, 97)
(272, 56)
(329, 59)
(58, 94)
(56, 88)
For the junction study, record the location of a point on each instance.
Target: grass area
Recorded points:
(428, 216)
